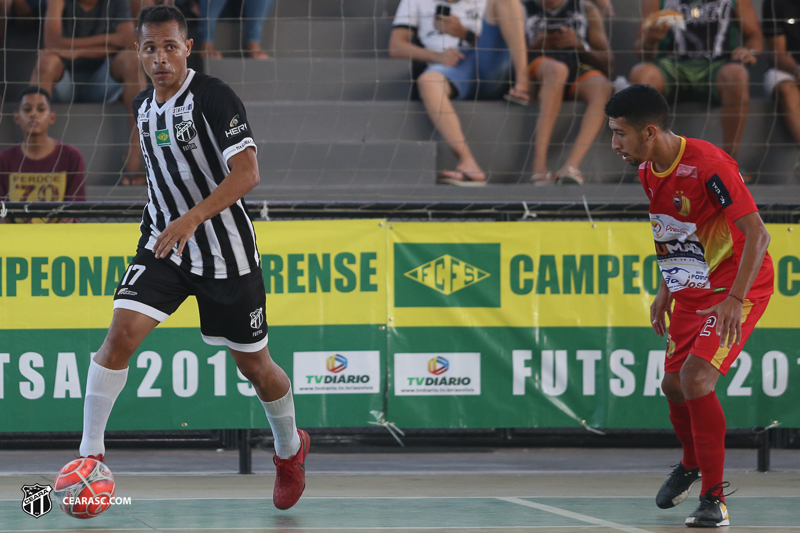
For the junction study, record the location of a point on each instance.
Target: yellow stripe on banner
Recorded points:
(549, 273)
(557, 274)
(494, 274)
(64, 275)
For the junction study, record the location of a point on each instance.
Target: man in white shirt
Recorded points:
(469, 46)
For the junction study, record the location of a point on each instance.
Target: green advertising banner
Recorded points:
(326, 296)
(444, 325)
(547, 325)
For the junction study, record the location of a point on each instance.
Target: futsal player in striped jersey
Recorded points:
(196, 239)
(711, 246)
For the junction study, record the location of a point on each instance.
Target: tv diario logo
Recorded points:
(447, 275)
(448, 374)
(337, 372)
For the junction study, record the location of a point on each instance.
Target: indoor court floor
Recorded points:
(491, 491)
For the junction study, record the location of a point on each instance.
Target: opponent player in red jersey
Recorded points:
(712, 250)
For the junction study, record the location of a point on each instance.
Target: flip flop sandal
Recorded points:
(515, 99)
(570, 176)
(543, 178)
(450, 178)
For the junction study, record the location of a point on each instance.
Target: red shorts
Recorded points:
(695, 334)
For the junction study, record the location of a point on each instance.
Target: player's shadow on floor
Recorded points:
(285, 524)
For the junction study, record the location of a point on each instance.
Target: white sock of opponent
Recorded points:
(280, 414)
(102, 388)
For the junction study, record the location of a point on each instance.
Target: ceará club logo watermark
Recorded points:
(37, 501)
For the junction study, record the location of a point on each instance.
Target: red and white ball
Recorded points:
(84, 488)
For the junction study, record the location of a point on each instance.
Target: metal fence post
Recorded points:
(763, 450)
(245, 452)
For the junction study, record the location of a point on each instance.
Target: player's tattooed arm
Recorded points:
(729, 311)
(242, 179)
(661, 307)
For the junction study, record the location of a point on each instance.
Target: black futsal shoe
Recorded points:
(676, 488)
(711, 511)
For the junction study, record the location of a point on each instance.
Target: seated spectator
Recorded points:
(703, 62)
(253, 13)
(88, 51)
(40, 168)
(462, 65)
(138, 5)
(605, 7)
(573, 61)
(25, 11)
(781, 26)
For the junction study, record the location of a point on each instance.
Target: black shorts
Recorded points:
(232, 311)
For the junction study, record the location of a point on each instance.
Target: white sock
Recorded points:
(280, 414)
(103, 385)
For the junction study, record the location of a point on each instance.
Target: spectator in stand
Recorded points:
(706, 61)
(40, 168)
(605, 7)
(25, 11)
(253, 13)
(469, 46)
(88, 50)
(138, 5)
(781, 26)
(573, 60)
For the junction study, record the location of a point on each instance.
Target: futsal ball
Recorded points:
(84, 488)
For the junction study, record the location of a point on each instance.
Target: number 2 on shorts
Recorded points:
(707, 329)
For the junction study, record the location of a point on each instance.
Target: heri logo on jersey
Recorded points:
(447, 275)
(234, 121)
(681, 203)
(236, 131)
(185, 131)
(162, 137)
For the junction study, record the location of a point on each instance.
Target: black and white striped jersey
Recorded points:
(186, 143)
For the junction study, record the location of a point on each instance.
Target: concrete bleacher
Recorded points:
(331, 112)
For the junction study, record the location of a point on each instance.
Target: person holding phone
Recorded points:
(571, 60)
(705, 59)
(469, 48)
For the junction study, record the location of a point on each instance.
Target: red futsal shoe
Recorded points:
(290, 480)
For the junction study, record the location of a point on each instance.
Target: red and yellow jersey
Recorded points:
(693, 207)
